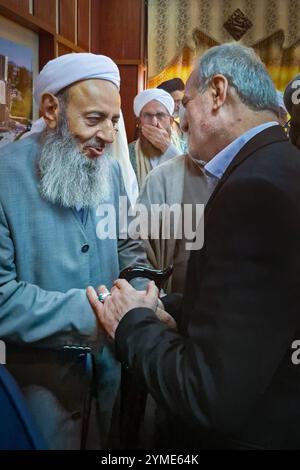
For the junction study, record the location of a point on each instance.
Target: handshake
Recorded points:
(111, 306)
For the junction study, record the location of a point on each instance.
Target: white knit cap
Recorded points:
(156, 94)
(71, 68)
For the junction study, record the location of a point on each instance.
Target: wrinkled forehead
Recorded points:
(93, 91)
(154, 107)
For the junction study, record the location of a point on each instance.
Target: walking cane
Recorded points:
(133, 388)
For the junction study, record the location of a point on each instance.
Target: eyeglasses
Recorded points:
(159, 116)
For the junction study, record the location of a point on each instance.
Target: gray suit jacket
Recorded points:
(44, 271)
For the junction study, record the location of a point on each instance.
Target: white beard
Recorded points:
(68, 177)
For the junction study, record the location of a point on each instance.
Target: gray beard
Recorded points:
(68, 177)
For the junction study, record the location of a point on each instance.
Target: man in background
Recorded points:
(175, 87)
(179, 188)
(154, 109)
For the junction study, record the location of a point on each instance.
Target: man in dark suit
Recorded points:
(226, 378)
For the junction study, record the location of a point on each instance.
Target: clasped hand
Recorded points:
(122, 299)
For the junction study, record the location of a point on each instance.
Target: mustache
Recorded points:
(95, 143)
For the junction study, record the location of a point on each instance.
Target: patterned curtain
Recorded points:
(181, 30)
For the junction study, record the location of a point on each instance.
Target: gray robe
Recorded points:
(178, 181)
(47, 259)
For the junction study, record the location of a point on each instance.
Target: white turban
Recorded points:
(70, 68)
(156, 94)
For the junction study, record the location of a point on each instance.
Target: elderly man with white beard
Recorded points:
(156, 143)
(51, 185)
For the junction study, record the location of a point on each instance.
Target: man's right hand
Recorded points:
(165, 318)
(157, 136)
(110, 312)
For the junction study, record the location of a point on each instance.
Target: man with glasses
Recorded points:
(154, 109)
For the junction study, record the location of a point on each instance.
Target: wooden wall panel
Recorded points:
(129, 85)
(67, 19)
(95, 30)
(121, 36)
(52, 42)
(20, 5)
(83, 23)
(46, 48)
(117, 28)
(45, 10)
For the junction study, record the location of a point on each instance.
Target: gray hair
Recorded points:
(244, 71)
(63, 98)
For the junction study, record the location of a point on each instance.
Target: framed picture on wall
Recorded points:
(18, 68)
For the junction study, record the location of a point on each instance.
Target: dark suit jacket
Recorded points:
(227, 380)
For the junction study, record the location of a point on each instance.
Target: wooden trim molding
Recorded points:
(68, 43)
(23, 18)
(128, 61)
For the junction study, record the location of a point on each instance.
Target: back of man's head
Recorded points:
(172, 85)
(244, 71)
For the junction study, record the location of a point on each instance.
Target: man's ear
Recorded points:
(219, 89)
(49, 108)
